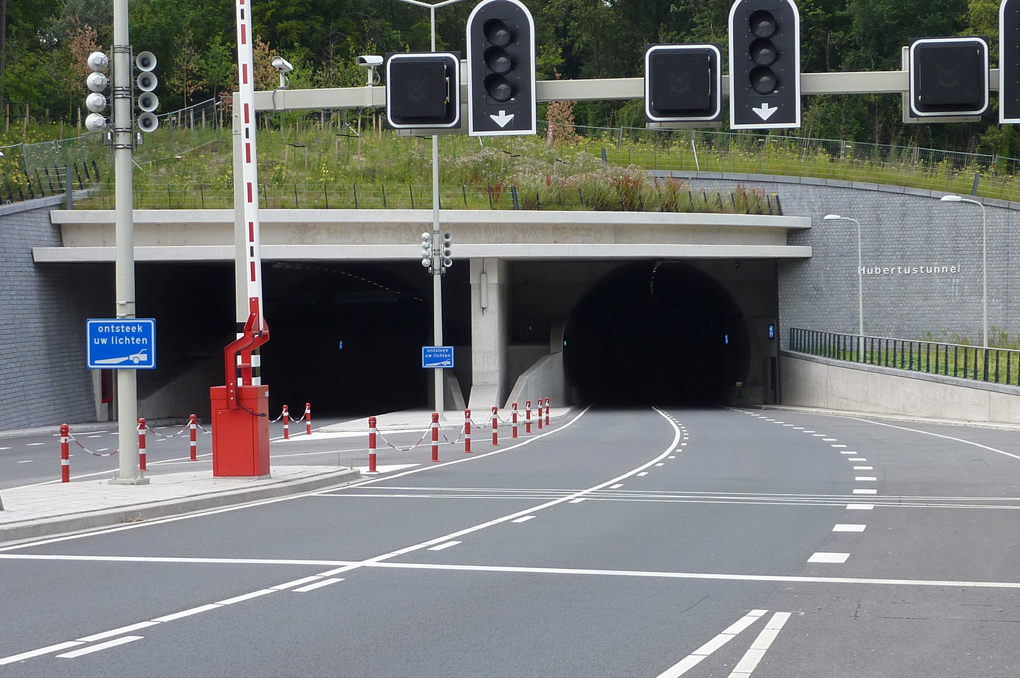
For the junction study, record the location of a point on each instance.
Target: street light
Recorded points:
(860, 282)
(984, 264)
(437, 285)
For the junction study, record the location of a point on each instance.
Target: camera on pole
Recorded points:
(423, 90)
(97, 83)
(764, 64)
(147, 99)
(501, 69)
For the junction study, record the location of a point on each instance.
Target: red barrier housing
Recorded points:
(241, 435)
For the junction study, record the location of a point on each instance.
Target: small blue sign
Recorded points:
(121, 344)
(437, 356)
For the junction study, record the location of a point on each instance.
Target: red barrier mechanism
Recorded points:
(514, 411)
(65, 453)
(495, 425)
(547, 411)
(308, 419)
(435, 436)
(141, 445)
(527, 416)
(467, 431)
(193, 425)
(371, 444)
(286, 423)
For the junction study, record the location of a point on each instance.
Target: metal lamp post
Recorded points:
(860, 283)
(984, 265)
(437, 285)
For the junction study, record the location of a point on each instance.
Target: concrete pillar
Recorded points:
(490, 332)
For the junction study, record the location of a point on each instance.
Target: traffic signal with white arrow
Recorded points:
(501, 69)
(764, 64)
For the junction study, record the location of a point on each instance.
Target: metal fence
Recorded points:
(993, 365)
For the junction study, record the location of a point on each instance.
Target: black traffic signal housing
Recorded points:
(423, 90)
(764, 64)
(1009, 61)
(948, 76)
(683, 83)
(501, 69)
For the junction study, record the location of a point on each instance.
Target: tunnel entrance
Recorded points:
(661, 333)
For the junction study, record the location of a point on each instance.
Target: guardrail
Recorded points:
(992, 365)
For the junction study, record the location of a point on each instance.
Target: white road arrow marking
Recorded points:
(765, 112)
(502, 119)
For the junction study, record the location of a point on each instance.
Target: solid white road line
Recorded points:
(118, 632)
(316, 585)
(97, 648)
(296, 582)
(187, 613)
(823, 557)
(577, 501)
(522, 519)
(760, 646)
(38, 653)
(245, 596)
(939, 435)
(694, 658)
(844, 527)
(442, 547)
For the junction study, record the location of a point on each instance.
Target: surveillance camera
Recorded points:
(370, 60)
(282, 65)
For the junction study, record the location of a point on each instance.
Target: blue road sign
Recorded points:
(436, 356)
(121, 343)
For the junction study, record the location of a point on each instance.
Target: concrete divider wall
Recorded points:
(810, 381)
(544, 379)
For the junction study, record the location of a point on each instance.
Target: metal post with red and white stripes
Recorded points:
(539, 414)
(513, 411)
(141, 445)
(495, 426)
(527, 416)
(547, 411)
(467, 431)
(286, 423)
(435, 436)
(308, 419)
(65, 453)
(371, 444)
(193, 425)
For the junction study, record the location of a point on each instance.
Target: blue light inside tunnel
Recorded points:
(726, 339)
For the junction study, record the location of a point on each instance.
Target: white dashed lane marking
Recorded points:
(833, 558)
(848, 528)
(863, 491)
(101, 646)
(319, 584)
(860, 507)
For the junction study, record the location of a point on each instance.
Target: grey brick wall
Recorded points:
(900, 228)
(43, 379)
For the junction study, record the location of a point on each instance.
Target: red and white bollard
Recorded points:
(286, 423)
(435, 436)
(495, 425)
(539, 414)
(547, 411)
(308, 419)
(65, 453)
(371, 444)
(513, 411)
(193, 425)
(527, 416)
(467, 431)
(141, 445)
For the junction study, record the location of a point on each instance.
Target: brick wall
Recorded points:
(43, 308)
(901, 229)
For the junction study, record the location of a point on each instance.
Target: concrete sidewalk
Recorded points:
(41, 510)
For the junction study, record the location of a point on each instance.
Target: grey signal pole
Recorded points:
(123, 132)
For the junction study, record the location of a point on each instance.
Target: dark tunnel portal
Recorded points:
(660, 333)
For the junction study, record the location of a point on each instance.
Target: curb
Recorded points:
(129, 514)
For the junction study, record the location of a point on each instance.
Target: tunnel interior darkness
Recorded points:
(661, 333)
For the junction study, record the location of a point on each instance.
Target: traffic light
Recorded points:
(423, 90)
(683, 83)
(1009, 61)
(426, 250)
(948, 76)
(447, 253)
(97, 83)
(501, 69)
(764, 64)
(147, 100)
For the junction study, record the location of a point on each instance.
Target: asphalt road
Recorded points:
(618, 543)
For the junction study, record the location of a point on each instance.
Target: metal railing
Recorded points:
(992, 365)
